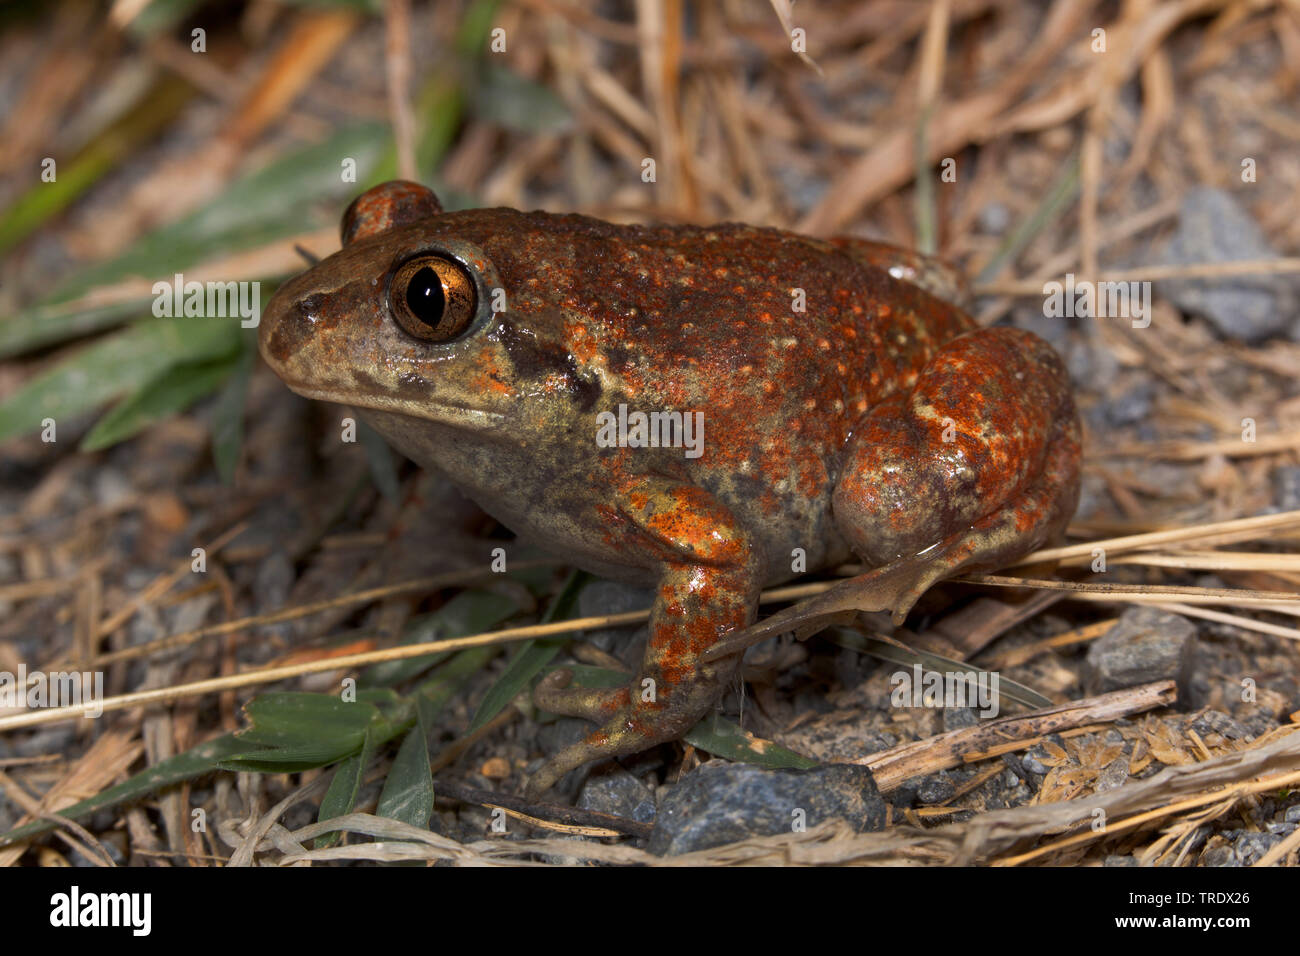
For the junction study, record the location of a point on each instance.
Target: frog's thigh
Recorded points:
(980, 458)
(709, 586)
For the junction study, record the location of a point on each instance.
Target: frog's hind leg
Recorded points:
(975, 467)
(978, 465)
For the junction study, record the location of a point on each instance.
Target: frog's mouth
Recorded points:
(453, 414)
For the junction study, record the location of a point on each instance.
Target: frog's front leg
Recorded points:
(708, 586)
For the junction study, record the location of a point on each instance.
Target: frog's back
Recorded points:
(741, 312)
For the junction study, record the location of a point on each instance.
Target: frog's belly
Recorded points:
(571, 512)
(586, 533)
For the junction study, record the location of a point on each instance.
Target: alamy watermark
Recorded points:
(1086, 299)
(213, 300)
(921, 688)
(651, 430)
(38, 689)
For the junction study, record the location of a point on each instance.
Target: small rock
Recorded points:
(954, 718)
(994, 218)
(1114, 860)
(1114, 775)
(1220, 856)
(601, 597)
(936, 788)
(1032, 760)
(1092, 361)
(1130, 406)
(613, 790)
(47, 740)
(721, 803)
(554, 737)
(904, 795)
(1292, 814)
(1145, 645)
(1212, 227)
(1251, 846)
(114, 853)
(1217, 722)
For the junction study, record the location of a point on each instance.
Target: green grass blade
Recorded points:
(408, 792)
(172, 392)
(724, 738)
(195, 762)
(228, 415)
(341, 797)
(116, 365)
(531, 657)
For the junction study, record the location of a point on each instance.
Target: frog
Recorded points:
(812, 401)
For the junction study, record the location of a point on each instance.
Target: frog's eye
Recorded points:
(432, 298)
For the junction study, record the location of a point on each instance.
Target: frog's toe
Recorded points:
(549, 774)
(554, 693)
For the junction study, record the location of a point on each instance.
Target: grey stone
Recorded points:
(994, 217)
(1032, 760)
(1092, 361)
(1251, 846)
(1145, 645)
(47, 740)
(954, 718)
(1217, 722)
(1292, 814)
(613, 597)
(1213, 227)
(722, 803)
(1130, 406)
(1114, 860)
(1220, 856)
(554, 737)
(1114, 775)
(613, 790)
(936, 788)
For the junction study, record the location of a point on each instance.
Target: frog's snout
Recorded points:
(283, 330)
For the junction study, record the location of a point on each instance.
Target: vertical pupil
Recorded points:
(424, 296)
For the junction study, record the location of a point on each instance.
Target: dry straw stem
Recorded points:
(1006, 734)
(1204, 533)
(1144, 593)
(1231, 447)
(1020, 655)
(1112, 547)
(1155, 273)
